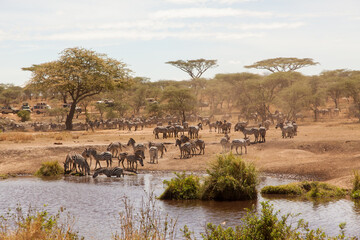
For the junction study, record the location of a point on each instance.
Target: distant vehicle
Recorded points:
(8, 109)
(109, 103)
(26, 108)
(40, 108)
(68, 105)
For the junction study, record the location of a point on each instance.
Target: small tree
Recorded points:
(195, 68)
(24, 115)
(179, 100)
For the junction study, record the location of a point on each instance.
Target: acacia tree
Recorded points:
(352, 86)
(80, 73)
(195, 68)
(283, 64)
(179, 100)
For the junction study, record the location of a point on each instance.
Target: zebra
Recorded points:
(115, 147)
(161, 147)
(135, 146)
(262, 132)
(185, 149)
(225, 143)
(286, 130)
(265, 124)
(178, 128)
(122, 157)
(250, 131)
(211, 125)
(236, 143)
(225, 127)
(184, 139)
(194, 130)
(240, 124)
(77, 161)
(201, 144)
(162, 130)
(117, 172)
(133, 159)
(153, 152)
(103, 156)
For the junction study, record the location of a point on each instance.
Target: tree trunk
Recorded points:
(336, 103)
(70, 116)
(183, 115)
(316, 114)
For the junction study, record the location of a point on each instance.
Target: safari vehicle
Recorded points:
(26, 107)
(8, 109)
(68, 105)
(40, 108)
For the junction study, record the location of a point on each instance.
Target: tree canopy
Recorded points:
(80, 73)
(283, 64)
(195, 68)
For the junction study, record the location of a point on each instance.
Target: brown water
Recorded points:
(96, 204)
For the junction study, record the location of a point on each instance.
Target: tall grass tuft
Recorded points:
(147, 223)
(182, 187)
(36, 225)
(355, 193)
(50, 169)
(230, 178)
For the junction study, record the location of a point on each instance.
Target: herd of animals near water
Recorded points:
(186, 137)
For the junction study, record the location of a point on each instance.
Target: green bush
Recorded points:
(306, 189)
(24, 115)
(182, 187)
(355, 193)
(267, 225)
(230, 178)
(50, 169)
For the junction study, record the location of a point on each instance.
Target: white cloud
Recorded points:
(207, 13)
(209, 1)
(268, 26)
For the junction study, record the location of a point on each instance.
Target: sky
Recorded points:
(145, 34)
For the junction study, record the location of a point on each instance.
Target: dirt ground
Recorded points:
(325, 151)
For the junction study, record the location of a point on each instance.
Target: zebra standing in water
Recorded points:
(78, 162)
(103, 156)
(117, 172)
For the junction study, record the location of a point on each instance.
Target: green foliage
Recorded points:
(36, 225)
(24, 115)
(230, 178)
(181, 187)
(283, 64)
(58, 113)
(268, 225)
(195, 68)
(50, 169)
(355, 193)
(306, 189)
(179, 100)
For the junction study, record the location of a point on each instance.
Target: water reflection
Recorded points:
(96, 203)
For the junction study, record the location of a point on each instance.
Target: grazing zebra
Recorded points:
(161, 147)
(117, 172)
(201, 144)
(162, 130)
(262, 132)
(184, 139)
(250, 131)
(185, 149)
(103, 156)
(194, 131)
(115, 147)
(225, 143)
(286, 130)
(78, 162)
(153, 152)
(236, 143)
(225, 127)
(135, 146)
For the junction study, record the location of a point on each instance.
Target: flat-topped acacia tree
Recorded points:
(195, 68)
(282, 64)
(80, 73)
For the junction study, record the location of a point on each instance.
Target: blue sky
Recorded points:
(146, 33)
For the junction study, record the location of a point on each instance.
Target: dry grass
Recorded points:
(17, 137)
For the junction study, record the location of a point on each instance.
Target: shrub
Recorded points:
(50, 169)
(36, 225)
(306, 189)
(182, 187)
(230, 178)
(24, 115)
(355, 193)
(267, 225)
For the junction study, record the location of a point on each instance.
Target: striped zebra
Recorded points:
(236, 143)
(194, 130)
(136, 147)
(78, 162)
(262, 133)
(250, 131)
(225, 143)
(103, 156)
(115, 148)
(185, 149)
(286, 130)
(201, 144)
(109, 172)
(134, 159)
(161, 147)
(160, 129)
(153, 152)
